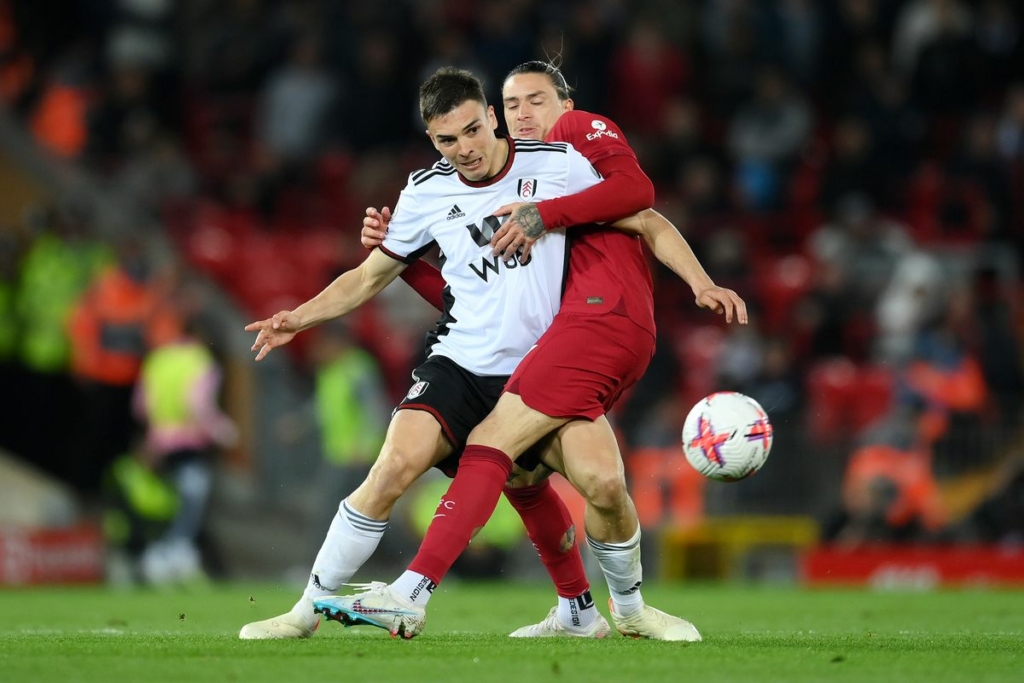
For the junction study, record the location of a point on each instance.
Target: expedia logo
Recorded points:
(601, 128)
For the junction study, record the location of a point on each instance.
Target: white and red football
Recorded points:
(727, 436)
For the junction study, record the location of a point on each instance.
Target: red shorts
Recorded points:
(582, 364)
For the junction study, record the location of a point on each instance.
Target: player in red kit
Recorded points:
(600, 343)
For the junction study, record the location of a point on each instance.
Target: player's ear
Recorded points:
(491, 117)
(568, 104)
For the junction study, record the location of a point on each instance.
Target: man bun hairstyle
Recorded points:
(549, 69)
(446, 90)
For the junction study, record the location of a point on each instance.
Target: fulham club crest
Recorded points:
(417, 390)
(527, 188)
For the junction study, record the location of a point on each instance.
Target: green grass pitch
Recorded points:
(751, 634)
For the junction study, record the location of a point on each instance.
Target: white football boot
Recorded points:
(551, 627)
(375, 605)
(300, 622)
(654, 624)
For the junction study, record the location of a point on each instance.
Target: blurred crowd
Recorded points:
(853, 168)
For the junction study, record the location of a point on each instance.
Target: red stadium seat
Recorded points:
(698, 350)
(780, 284)
(830, 386)
(872, 396)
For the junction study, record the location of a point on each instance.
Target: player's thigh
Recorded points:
(414, 444)
(513, 427)
(590, 459)
(538, 463)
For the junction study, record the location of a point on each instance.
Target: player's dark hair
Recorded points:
(447, 89)
(550, 70)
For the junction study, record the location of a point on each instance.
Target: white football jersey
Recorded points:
(495, 309)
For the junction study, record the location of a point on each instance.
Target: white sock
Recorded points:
(620, 563)
(414, 588)
(577, 613)
(350, 541)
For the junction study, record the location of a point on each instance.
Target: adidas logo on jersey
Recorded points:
(456, 212)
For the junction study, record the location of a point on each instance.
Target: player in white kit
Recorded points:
(495, 310)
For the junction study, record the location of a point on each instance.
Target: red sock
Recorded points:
(547, 520)
(468, 504)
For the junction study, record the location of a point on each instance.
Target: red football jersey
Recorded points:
(607, 268)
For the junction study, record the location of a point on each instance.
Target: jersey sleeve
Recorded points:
(625, 190)
(596, 137)
(427, 281)
(408, 237)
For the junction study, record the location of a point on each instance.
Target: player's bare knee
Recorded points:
(394, 472)
(606, 492)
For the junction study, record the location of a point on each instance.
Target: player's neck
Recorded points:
(500, 158)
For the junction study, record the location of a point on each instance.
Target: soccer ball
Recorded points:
(727, 436)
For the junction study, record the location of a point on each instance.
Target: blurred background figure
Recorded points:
(123, 315)
(345, 412)
(890, 493)
(61, 262)
(352, 412)
(176, 399)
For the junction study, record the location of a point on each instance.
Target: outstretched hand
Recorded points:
(375, 227)
(273, 332)
(723, 301)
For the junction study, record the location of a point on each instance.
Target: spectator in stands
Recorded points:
(889, 491)
(913, 297)
(351, 410)
(1000, 36)
(919, 23)
(296, 119)
(943, 76)
(157, 172)
(130, 108)
(852, 169)
(17, 68)
(1011, 126)
(230, 50)
(867, 244)
(731, 42)
(878, 97)
(376, 71)
(945, 373)
(296, 108)
(998, 347)
(60, 264)
(59, 120)
(982, 182)
(821, 314)
(765, 138)
(682, 142)
(647, 72)
(850, 25)
(176, 399)
(10, 372)
(120, 318)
